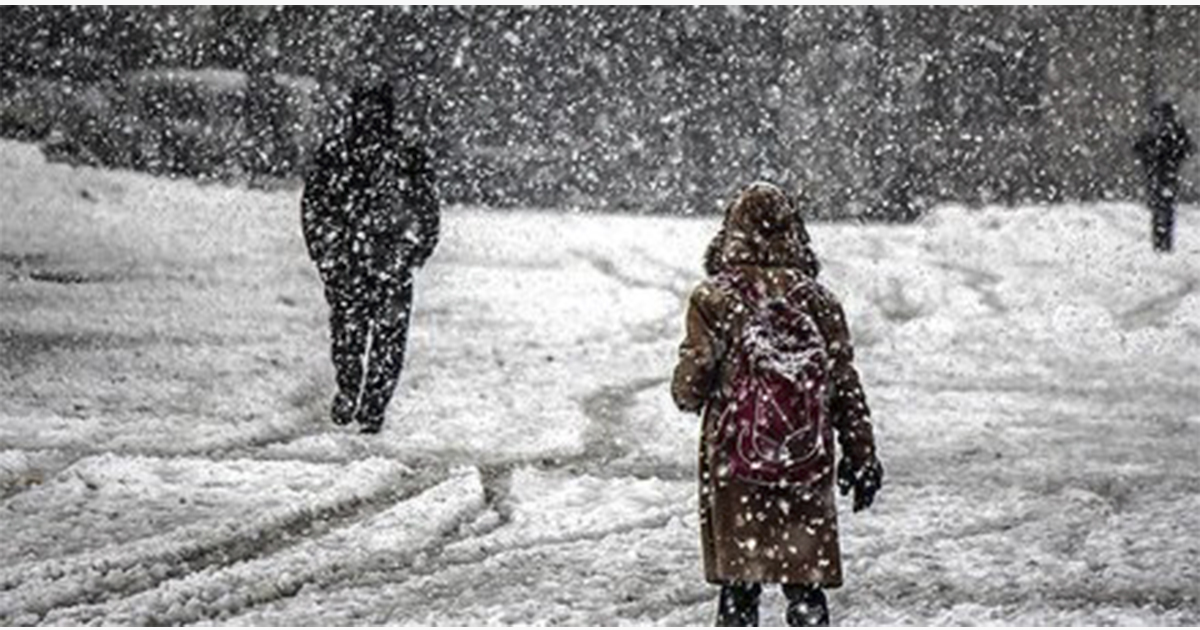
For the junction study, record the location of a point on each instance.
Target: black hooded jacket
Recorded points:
(370, 206)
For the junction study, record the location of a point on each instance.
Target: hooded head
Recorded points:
(372, 113)
(1163, 112)
(762, 228)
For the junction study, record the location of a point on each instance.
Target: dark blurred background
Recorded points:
(874, 112)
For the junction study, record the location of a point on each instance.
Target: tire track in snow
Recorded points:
(462, 554)
(57, 459)
(392, 538)
(456, 554)
(607, 410)
(687, 278)
(31, 591)
(251, 449)
(659, 328)
(1150, 311)
(607, 267)
(23, 469)
(981, 282)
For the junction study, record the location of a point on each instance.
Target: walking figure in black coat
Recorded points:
(371, 217)
(1162, 150)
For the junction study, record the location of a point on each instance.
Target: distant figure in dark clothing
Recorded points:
(1162, 150)
(371, 217)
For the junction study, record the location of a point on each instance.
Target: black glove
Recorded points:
(419, 161)
(865, 481)
(421, 254)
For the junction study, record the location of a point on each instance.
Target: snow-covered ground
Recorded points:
(165, 457)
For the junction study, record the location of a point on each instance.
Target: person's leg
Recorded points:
(389, 337)
(348, 332)
(738, 604)
(1162, 208)
(806, 605)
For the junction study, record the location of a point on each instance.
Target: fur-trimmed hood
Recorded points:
(761, 228)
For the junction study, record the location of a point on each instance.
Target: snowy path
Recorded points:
(165, 457)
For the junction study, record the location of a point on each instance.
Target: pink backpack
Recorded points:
(774, 430)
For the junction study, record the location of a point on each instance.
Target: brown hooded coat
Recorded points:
(753, 533)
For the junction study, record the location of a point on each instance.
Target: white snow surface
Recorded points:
(166, 458)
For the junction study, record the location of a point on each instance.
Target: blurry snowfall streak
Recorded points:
(165, 457)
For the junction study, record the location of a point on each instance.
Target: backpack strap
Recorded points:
(749, 292)
(745, 289)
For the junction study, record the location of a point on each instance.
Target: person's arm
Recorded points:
(848, 404)
(860, 468)
(321, 218)
(426, 230)
(699, 354)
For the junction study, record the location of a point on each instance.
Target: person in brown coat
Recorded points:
(786, 532)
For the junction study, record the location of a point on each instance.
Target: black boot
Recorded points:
(370, 418)
(807, 606)
(342, 411)
(738, 605)
(370, 422)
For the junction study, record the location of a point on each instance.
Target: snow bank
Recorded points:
(1072, 283)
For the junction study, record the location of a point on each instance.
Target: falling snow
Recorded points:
(974, 198)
